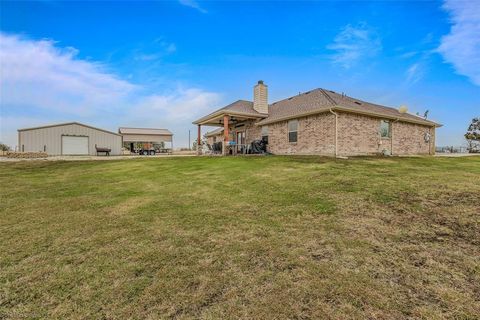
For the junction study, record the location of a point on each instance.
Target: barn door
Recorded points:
(74, 145)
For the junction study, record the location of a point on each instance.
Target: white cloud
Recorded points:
(192, 4)
(38, 73)
(180, 107)
(461, 47)
(353, 44)
(415, 73)
(41, 83)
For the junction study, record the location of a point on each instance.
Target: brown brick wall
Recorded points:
(359, 135)
(253, 132)
(316, 135)
(409, 138)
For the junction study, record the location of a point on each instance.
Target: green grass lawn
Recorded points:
(244, 237)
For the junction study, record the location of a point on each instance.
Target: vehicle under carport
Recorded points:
(147, 141)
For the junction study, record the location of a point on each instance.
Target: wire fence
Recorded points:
(451, 149)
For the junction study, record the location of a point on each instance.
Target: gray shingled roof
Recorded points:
(362, 106)
(321, 100)
(317, 101)
(149, 131)
(240, 107)
(304, 103)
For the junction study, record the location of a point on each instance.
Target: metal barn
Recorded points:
(70, 138)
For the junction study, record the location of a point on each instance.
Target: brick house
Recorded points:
(319, 122)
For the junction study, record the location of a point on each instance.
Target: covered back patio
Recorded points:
(239, 128)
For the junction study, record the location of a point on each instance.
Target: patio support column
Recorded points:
(199, 140)
(225, 133)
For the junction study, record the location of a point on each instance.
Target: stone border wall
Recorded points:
(26, 155)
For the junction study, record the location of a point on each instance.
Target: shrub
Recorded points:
(4, 147)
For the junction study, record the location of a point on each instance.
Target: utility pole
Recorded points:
(189, 145)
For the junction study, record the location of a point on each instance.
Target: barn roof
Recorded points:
(67, 124)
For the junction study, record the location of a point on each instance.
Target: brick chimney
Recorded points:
(260, 97)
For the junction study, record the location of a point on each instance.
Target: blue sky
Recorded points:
(165, 63)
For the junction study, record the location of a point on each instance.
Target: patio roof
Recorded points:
(215, 132)
(239, 110)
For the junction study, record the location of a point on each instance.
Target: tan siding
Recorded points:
(51, 137)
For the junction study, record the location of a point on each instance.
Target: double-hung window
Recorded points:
(292, 130)
(385, 129)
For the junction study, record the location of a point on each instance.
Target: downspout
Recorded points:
(391, 138)
(336, 131)
(431, 131)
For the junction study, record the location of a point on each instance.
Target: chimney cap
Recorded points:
(260, 81)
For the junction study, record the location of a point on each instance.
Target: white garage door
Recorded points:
(74, 145)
